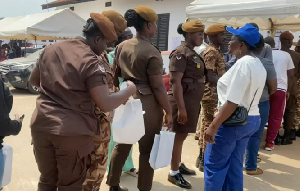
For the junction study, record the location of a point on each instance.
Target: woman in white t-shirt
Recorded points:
(242, 85)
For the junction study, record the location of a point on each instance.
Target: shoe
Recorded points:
(178, 180)
(286, 141)
(269, 147)
(117, 188)
(199, 158)
(197, 137)
(258, 171)
(184, 170)
(298, 133)
(293, 135)
(201, 166)
(277, 140)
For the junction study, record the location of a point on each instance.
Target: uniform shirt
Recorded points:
(282, 63)
(68, 70)
(185, 60)
(239, 84)
(138, 59)
(296, 60)
(214, 60)
(201, 49)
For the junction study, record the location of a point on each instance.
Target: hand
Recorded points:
(17, 117)
(209, 134)
(287, 95)
(132, 87)
(168, 121)
(182, 116)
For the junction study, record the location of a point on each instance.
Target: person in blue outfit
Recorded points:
(242, 86)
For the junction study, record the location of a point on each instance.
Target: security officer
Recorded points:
(99, 157)
(140, 61)
(215, 65)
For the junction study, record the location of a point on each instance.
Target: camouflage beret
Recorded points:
(193, 26)
(146, 13)
(105, 26)
(215, 29)
(120, 24)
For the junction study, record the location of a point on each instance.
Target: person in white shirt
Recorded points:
(284, 67)
(241, 86)
(200, 49)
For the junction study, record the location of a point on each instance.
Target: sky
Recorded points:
(11, 8)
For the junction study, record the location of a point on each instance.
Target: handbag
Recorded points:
(240, 116)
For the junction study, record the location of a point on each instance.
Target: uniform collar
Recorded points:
(211, 44)
(185, 44)
(143, 38)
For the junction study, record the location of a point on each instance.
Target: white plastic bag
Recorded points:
(6, 157)
(162, 149)
(128, 122)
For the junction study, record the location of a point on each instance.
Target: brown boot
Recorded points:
(199, 158)
(117, 188)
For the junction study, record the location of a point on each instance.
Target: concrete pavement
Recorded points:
(281, 166)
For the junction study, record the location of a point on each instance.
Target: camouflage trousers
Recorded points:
(99, 158)
(207, 114)
(199, 124)
(297, 113)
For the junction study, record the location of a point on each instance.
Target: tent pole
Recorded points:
(273, 32)
(25, 47)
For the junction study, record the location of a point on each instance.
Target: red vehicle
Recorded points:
(166, 79)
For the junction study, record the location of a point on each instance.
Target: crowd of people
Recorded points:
(8, 52)
(71, 125)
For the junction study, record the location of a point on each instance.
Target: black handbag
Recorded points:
(240, 116)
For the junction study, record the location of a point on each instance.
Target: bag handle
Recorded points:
(252, 100)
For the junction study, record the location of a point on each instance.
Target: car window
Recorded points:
(35, 55)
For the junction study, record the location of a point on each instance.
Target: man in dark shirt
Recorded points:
(17, 50)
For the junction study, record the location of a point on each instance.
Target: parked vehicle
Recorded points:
(29, 51)
(17, 71)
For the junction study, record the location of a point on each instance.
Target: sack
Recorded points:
(162, 149)
(128, 122)
(240, 116)
(6, 157)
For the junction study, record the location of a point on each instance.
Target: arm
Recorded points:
(34, 78)
(10, 127)
(272, 86)
(108, 102)
(210, 60)
(211, 77)
(290, 74)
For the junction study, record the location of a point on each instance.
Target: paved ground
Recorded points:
(281, 167)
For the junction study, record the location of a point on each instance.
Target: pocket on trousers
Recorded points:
(84, 158)
(251, 127)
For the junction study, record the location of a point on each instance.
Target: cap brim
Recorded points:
(233, 31)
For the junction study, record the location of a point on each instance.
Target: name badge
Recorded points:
(198, 65)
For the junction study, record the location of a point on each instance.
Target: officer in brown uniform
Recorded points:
(297, 115)
(187, 79)
(291, 103)
(95, 173)
(140, 61)
(71, 80)
(215, 65)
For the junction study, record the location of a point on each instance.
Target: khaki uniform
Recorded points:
(64, 123)
(291, 103)
(185, 60)
(138, 59)
(99, 157)
(297, 113)
(214, 60)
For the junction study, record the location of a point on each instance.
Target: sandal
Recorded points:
(133, 172)
(258, 160)
(258, 171)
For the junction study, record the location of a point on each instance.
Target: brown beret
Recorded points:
(146, 13)
(105, 26)
(286, 36)
(117, 19)
(193, 26)
(215, 29)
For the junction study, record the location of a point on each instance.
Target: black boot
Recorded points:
(117, 188)
(199, 158)
(184, 170)
(178, 180)
(278, 140)
(298, 133)
(293, 135)
(286, 138)
(201, 166)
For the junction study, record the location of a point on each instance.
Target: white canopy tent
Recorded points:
(55, 25)
(268, 14)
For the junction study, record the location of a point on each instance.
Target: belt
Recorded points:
(193, 80)
(138, 81)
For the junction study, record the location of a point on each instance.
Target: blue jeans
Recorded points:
(254, 141)
(223, 161)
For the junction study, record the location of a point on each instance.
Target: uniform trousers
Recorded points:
(297, 112)
(223, 161)
(62, 160)
(289, 113)
(277, 105)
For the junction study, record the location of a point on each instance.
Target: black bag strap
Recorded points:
(252, 100)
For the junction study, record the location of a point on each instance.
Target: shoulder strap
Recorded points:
(252, 100)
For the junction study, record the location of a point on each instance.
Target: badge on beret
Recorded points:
(198, 65)
(178, 57)
(102, 69)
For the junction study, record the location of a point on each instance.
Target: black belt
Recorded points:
(138, 81)
(193, 80)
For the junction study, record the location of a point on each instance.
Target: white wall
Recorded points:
(176, 8)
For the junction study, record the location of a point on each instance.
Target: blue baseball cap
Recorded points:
(248, 33)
